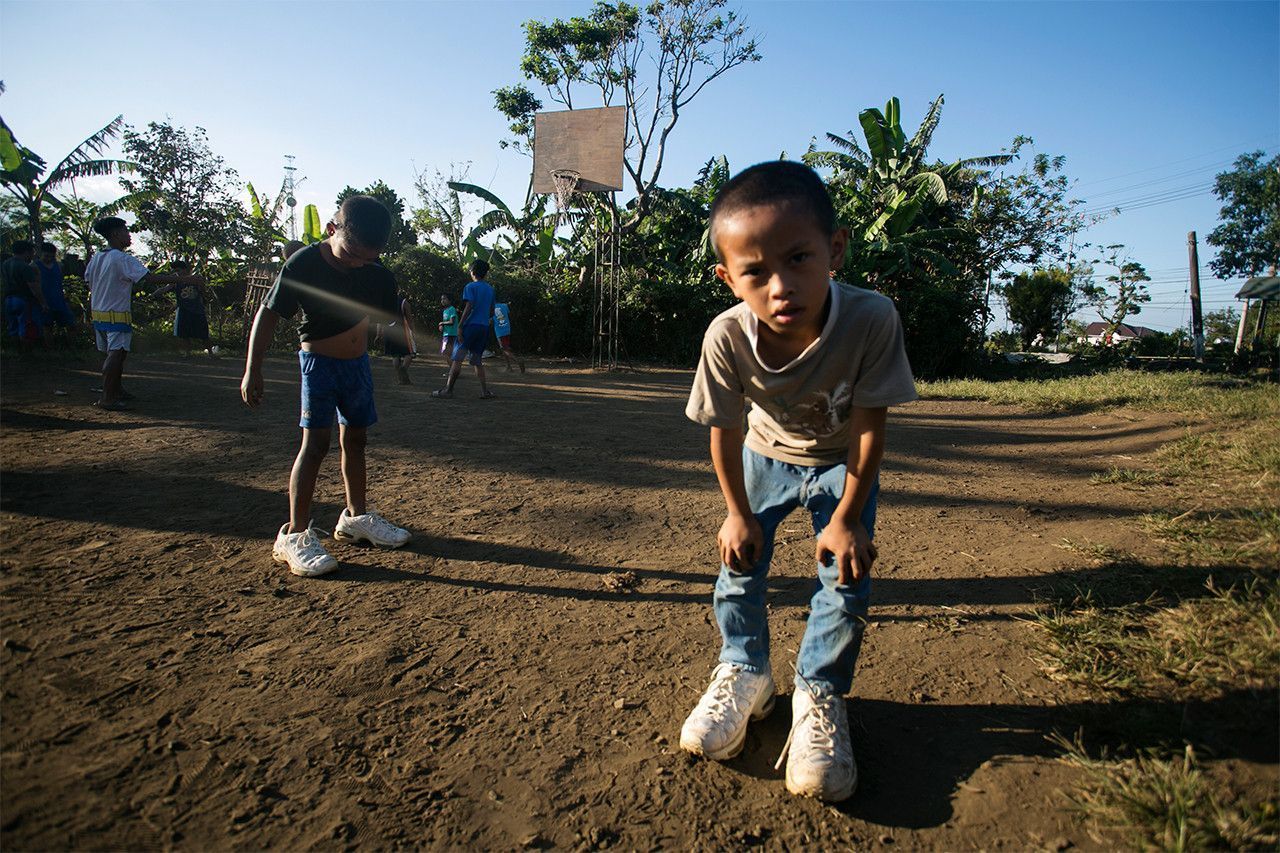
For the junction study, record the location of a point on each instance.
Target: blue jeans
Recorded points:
(837, 612)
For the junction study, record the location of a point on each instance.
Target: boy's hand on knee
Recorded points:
(851, 548)
(740, 540)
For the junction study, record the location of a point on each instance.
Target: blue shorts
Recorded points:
(329, 384)
(475, 338)
(20, 318)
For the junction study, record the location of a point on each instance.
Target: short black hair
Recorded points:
(772, 183)
(46, 246)
(479, 268)
(180, 265)
(21, 247)
(108, 225)
(367, 220)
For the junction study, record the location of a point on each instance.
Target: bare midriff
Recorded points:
(349, 344)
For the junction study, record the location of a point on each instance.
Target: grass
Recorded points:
(1198, 647)
(1166, 803)
(1172, 658)
(1193, 394)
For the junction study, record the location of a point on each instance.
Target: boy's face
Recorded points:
(47, 257)
(444, 302)
(778, 260)
(347, 251)
(120, 238)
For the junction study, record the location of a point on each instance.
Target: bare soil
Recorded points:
(518, 674)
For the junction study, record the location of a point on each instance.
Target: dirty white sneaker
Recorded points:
(303, 552)
(818, 753)
(371, 528)
(717, 727)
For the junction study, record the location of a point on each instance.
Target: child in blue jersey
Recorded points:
(57, 315)
(448, 327)
(477, 308)
(502, 329)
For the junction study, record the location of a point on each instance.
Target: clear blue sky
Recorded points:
(1140, 97)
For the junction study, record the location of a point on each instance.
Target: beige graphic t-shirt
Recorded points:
(800, 412)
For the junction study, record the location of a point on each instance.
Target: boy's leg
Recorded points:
(742, 687)
(113, 377)
(302, 479)
(484, 388)
(354, 475)
(837, 613)
(820, 760)
(739, 599)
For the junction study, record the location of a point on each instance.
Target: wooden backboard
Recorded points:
(589, 142)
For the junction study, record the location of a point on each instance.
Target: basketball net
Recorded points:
(565, 182)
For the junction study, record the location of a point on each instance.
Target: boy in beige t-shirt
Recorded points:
(820, 363)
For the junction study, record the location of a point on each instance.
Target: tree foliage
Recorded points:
(1248, 238)
(911, 235)
(1122, 293)
(653, 61)
(185, 196)
(24, 177)
(402, 233)
(1039, 302)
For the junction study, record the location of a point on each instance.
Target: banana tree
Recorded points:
(28, 183)
(893, 199)
(530, 233)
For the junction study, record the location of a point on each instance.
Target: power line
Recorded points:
(1177, 162)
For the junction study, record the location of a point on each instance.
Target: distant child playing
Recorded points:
(502, 329)
(58, 314)
(398, 342)
(477, 308)
(337, 285)
(23, 297)
(190, 320)
(819, 362)
(448, 327)
(112, 277)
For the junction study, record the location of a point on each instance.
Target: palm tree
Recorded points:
(29, 184)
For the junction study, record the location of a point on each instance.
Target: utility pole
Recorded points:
(1197, 322)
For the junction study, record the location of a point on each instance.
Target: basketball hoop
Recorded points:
(565, 184)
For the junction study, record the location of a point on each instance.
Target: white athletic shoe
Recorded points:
(818, 753)
(371, 528)
(303, 552)
(717, 727)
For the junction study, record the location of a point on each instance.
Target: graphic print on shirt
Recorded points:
(816, 415)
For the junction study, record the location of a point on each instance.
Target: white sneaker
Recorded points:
(303, 552)
(371, 528)
(717, 727)
(818, 753)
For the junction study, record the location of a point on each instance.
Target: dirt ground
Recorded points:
(499, 682)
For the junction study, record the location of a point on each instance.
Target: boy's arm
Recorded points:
(844, 539)
(169, 280)
(466, 312)
(740, 539)
(264, 328)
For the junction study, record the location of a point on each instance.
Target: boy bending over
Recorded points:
(819, 361)
(337, 285)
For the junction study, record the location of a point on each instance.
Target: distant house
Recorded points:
(1124, 332)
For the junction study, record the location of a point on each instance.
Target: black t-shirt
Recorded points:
(332, 300)
(17, 276)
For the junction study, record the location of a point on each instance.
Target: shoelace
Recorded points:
(310, 540)
(822, 707)
(382, 525)
(725, 694)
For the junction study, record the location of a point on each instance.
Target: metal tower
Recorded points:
(288, 189)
